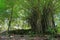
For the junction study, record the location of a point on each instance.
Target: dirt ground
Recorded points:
(26, 38)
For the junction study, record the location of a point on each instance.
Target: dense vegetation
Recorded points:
(41, 16)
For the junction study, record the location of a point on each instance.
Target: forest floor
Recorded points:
(26, 37)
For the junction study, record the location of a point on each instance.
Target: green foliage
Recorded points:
(2, 4)
(22, 11)
(51, 30)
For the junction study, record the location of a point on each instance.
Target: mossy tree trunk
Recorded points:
(47, 21)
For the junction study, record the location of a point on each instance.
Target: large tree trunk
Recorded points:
(41, 22)
(35, 19)
(47, 18)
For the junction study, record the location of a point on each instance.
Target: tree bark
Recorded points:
(10, 19)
